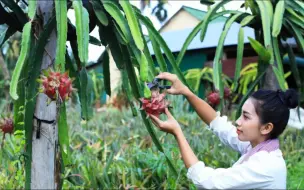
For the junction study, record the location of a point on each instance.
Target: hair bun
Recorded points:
(291, 98)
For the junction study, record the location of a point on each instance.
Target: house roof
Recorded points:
(176, 39)
(198, 14)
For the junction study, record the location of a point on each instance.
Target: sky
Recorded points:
(172, 7)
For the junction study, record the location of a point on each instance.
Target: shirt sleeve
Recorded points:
(227, 133)
(249, 175)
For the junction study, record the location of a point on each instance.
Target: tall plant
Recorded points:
(119, 30)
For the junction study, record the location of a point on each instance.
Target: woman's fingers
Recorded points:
(169, 115)
(166, 75)
(155, 120)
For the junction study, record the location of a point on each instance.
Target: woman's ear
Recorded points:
(266, 129)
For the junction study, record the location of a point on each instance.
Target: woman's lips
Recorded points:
(238, 131)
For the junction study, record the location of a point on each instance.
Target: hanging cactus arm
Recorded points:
(82, 30)
(61, 18)
(25, 44)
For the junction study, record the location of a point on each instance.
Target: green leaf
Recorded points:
(217, 72)
(32, 8)
(296, 5)
(292, 18)
(293, 66)
(207, 2)
(61, 18)
(126, 88)
(209, 15)
(278, 15)
(164, 46)
(94, 41)
(158, 54)
(102, 37)
(278, 59)
(100, 14)
(106, 72)
(247, 20)
(147, 91)
(82, 31)
(249, 91)
(260, 49)
(119, 35)
(239, 59)
(25, 44)
(266, 21)
(295, 15)
(131, 73)
(114, 11)
(63, 135)
(19, 105)
(297, 34)
(107, 34)
(85, 94)
(144, 68)
(195, 31)
(133, 24)
(6, 34)
(152, 68)
(73, 73)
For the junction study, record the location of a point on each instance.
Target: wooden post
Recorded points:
(44, 172)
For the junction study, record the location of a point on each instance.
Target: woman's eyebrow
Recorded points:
(246, 112)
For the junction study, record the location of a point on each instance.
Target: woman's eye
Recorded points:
(245, 116)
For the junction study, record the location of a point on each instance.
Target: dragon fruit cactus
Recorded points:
(53, 83)
(7, 125)
(155, 105)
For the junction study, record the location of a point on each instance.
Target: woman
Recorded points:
(264, 117)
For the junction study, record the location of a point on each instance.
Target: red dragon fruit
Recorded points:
(227, 92)
(53, 82)
(213, 98)
(155, 105)
(7, 125)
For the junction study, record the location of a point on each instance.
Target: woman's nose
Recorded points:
(238, 121)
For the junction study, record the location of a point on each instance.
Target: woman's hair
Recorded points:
(273, 107)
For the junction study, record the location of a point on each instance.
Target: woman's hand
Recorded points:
(177, 86)
(169, 126)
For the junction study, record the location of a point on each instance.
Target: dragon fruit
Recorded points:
(227, 92)
(53, 82)
(213, 98)
(155, 105)
(7, 125)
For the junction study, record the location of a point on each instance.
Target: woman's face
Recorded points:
(248, 125)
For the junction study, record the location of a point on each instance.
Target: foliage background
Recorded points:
(113, 150)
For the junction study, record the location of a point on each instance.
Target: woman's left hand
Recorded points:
(169, 126)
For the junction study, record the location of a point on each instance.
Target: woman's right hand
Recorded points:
(177, 86)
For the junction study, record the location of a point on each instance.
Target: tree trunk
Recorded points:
(270, 82)
(45, 150)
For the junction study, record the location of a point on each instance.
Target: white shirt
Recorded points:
(263, 170)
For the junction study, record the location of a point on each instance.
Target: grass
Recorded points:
(114, 151)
